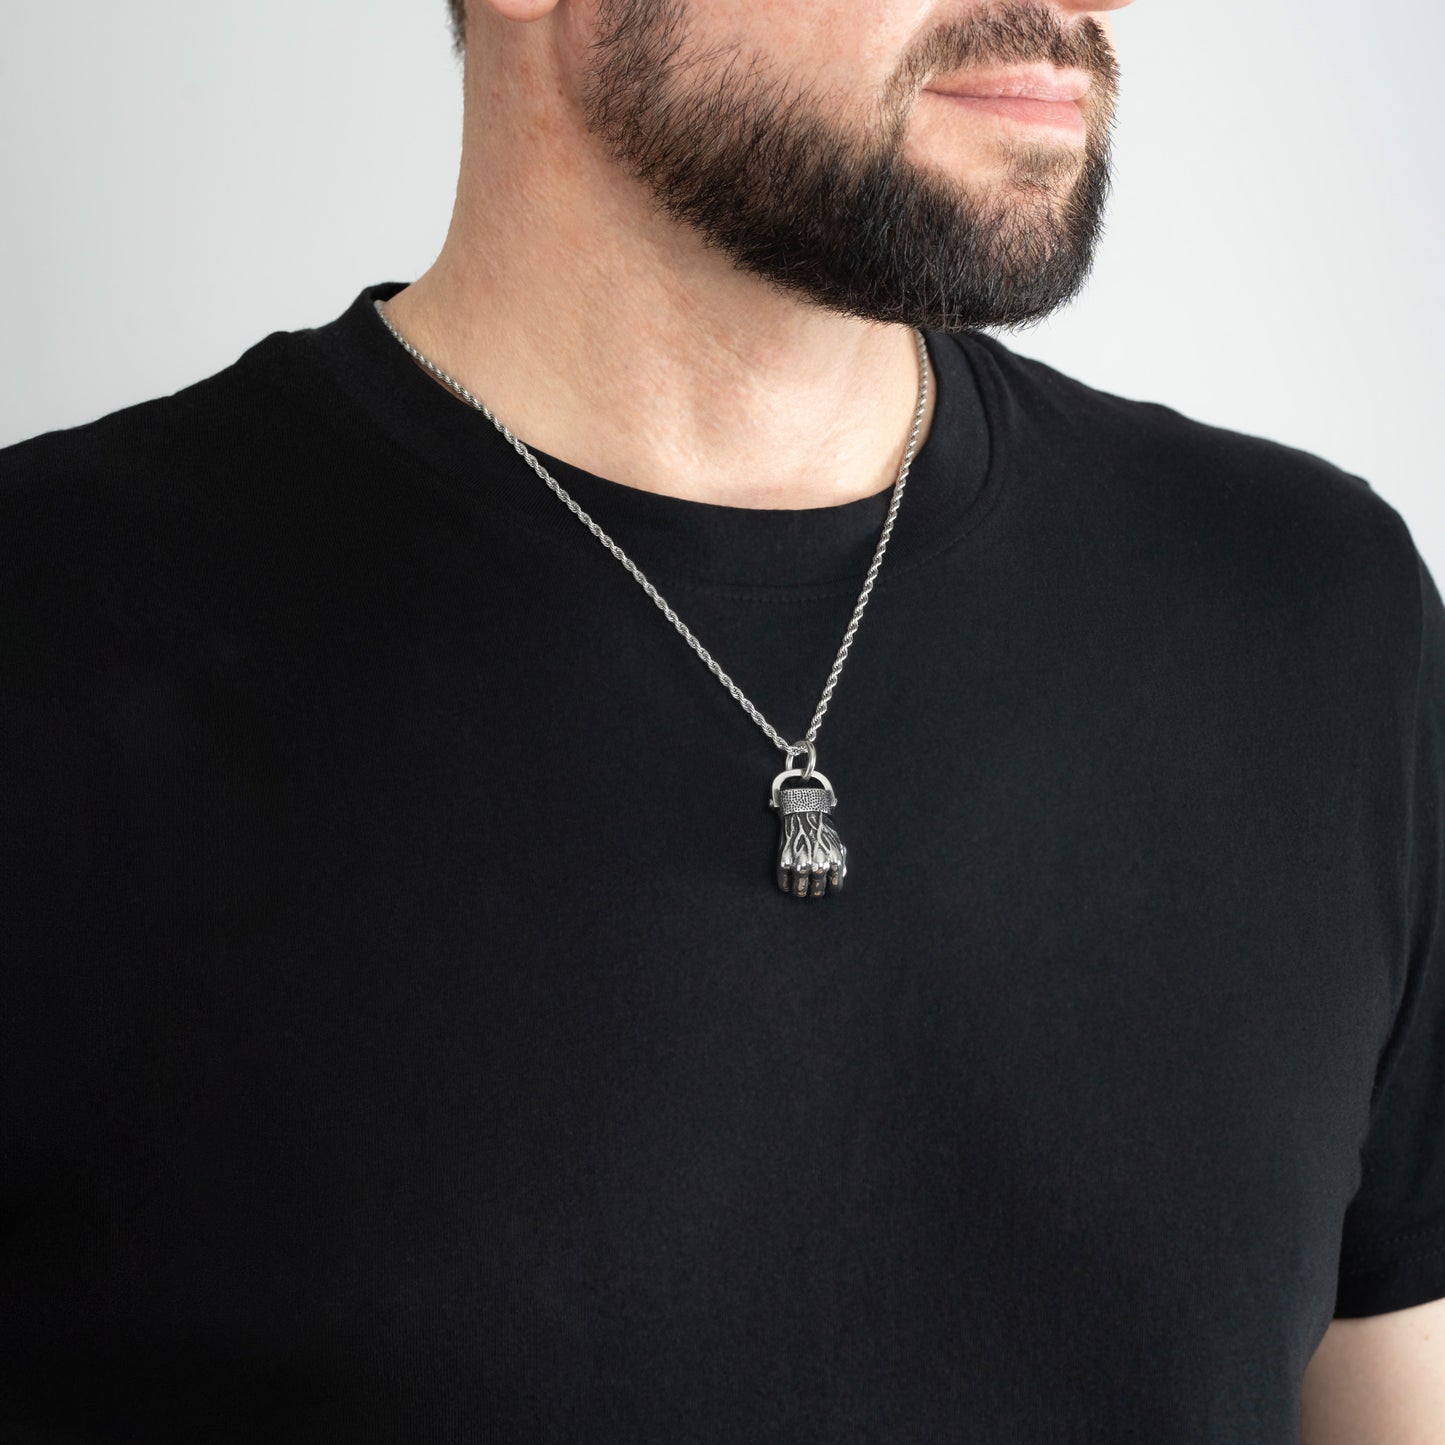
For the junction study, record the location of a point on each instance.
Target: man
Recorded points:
(830, 883)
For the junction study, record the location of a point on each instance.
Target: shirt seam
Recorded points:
(1401, 1002)
(991, 488)
(1399, 1256)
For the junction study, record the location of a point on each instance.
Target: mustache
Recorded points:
(998, 34)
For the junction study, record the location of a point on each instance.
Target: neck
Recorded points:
(602, 334)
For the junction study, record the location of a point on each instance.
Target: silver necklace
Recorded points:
(811, 857)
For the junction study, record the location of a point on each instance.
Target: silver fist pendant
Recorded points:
(811, 856)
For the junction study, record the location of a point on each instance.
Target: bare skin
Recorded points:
(566, 302)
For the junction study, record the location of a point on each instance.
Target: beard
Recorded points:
(823, 206)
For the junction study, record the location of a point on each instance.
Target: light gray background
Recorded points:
(180, 179)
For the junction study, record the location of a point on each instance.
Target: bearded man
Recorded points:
(654, 837)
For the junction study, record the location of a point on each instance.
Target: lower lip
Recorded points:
(1062, 115)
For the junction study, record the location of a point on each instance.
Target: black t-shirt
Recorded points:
(403, 1036)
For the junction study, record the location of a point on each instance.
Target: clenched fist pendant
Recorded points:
(811, 856)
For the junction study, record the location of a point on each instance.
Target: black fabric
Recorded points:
(402, 1034)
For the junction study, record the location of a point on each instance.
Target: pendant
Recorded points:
(811, 856)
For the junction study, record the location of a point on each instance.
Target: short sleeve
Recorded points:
(1393, 1247)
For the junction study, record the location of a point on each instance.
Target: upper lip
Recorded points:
(1040, 82)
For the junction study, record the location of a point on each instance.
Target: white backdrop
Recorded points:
(180, 179)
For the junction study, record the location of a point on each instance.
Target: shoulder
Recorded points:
(131, 520)
(1251, 512)
(1168, 447)
(131, 736)
(139, 456)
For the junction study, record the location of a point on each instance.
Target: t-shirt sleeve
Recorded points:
(1393, 1247)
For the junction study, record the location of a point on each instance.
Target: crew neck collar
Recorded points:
(951, 482)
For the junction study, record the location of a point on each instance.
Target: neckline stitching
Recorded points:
(975, 512)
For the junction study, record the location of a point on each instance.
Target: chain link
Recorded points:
(810, 737)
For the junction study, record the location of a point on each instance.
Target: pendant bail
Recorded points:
(812, 752)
